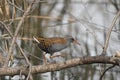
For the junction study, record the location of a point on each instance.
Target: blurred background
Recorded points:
(86, 20)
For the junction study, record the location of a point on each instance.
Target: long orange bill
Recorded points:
(76, 42)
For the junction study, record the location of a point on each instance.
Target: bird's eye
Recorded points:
(42, 40)
(72, 39)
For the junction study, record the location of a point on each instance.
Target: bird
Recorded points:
(54, 44)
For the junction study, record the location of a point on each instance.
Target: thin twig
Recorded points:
(29, 74)
(15, 6)
(93, 33)
(14, 40)
(13, 13)
(22, 38)
(20, 50)
(106, 71)
(20, 75)
(87, 28)
(41, 17)
(5, 26)
(22, 54)
(15, 35)
(109, 33)
(28, 53)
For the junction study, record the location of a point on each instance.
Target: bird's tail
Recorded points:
(35, 40)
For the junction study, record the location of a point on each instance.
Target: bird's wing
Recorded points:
(50, 41)
(58, 40)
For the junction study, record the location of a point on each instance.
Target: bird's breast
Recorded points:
(52, 48)
(58, 47)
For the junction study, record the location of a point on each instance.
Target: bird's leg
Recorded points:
(45, 60)
(62, 55)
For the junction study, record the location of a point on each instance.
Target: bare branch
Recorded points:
(15, 6)
(29, 74)
(41, 17)
(58, 66)
(20, 50)
(87, 28)
(106, 71)
(109, 33)
(5, 26)
(15, 35)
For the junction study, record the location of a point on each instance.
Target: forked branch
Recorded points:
(109, 33)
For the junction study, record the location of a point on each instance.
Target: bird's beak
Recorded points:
(76, 42)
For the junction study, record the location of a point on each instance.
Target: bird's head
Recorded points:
(72, 40)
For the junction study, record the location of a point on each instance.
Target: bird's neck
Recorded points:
(68, 43)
